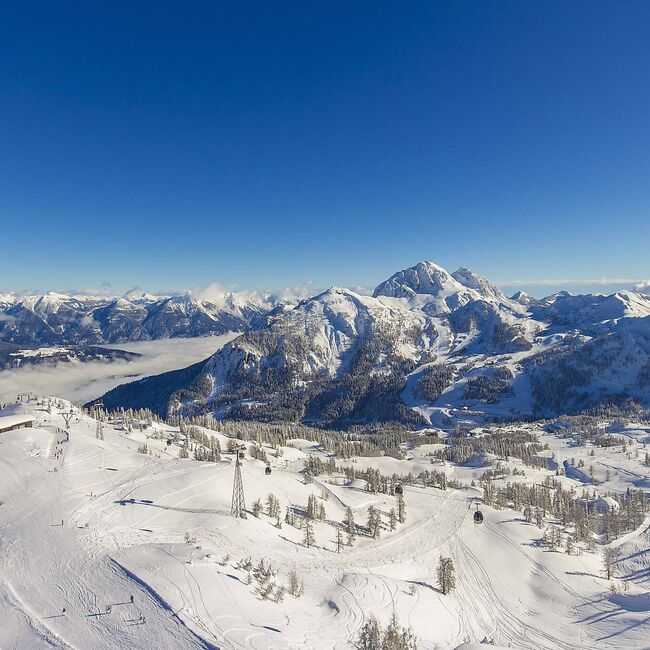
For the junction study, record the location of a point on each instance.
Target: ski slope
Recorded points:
(88, 523)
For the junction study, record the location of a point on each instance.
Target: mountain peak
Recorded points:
(479, 283)
(424, 278)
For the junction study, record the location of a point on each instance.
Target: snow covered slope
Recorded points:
(305, 358)
(141, 551)
(340, 358)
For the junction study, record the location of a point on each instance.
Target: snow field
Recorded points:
(158, 527)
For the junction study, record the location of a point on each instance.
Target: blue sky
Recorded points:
(171, 145)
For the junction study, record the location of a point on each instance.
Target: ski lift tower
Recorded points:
(96, 413)
(238, 508)
(67, 416)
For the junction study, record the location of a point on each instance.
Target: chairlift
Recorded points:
(267, 471)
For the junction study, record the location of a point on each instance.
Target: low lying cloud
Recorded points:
(215, 293)
(643, 287)
(219, 294)
(299, 292)
(81, 382)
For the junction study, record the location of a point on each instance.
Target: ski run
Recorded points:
(112, 538)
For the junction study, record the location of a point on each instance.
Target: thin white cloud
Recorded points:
(299, 292)
(564, 282)
(643, 286)
(362, 290)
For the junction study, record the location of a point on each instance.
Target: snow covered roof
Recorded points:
(8, 422)
(607, 503)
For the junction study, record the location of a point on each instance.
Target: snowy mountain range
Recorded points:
(428, 347)
(57, 319)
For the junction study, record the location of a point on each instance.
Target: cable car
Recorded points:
(478, 516)
(398, 489)
(267, 471)
(169, 442)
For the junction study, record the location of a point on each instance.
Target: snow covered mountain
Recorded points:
(591, 313)
(432, 288)
(429, 285)
(427, 348)
(57, 319)
(304, 360)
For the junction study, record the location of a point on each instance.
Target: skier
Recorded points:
(132, 599)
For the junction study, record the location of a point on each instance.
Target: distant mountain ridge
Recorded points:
(58, 319)
(428, 347)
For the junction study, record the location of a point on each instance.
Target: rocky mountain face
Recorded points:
(428, 347)
(56, 319)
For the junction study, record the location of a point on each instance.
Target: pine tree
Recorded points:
(446, 575)
(392, 519)
(272, 506)
(339, 541)
(295, 588)
(373, 522)
(570, 547)
(370, 635)
(610, 558)
(401, 509)
(267, 587)
(350, 526)
(257, 508)
(391, 639)
(309, 539)
(312, 507)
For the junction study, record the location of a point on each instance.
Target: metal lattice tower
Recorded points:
(99, 431)
(67, 417)
(238, 508)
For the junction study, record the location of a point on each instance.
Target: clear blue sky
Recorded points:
(170, 145)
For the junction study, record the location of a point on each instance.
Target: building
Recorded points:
(11, 422)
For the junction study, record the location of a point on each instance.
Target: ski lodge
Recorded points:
(11, 422)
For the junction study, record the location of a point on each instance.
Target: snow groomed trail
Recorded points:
(46, 569)
(86, 524)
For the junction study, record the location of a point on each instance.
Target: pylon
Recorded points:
(238, 508)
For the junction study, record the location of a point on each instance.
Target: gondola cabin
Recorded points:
(398, 489)
(267, 471)
(478, 517)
